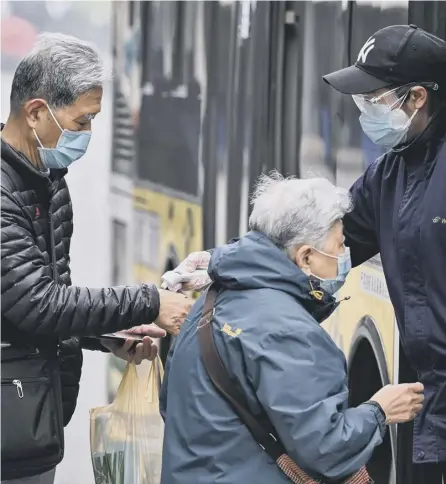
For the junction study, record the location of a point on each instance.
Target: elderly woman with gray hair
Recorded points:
(276, 285)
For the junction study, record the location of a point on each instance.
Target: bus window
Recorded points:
(183, 62)
(220, 28)
(249, 102)
(237, 113)
(167, 152)
(324, 50)
(126, 84)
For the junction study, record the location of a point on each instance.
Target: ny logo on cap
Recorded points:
(366, 49)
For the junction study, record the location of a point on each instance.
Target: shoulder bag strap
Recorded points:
(222, 381)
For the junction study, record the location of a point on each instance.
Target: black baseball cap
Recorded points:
(394, 56)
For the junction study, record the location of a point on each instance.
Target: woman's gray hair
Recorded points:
(292, 211)
(58, 69)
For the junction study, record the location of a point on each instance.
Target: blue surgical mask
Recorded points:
(71, 146)
(386, 125)
(332, 286)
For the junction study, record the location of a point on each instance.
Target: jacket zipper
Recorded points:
(19, 383)
(52, 242)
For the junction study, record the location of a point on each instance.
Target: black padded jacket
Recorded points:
(39, 306)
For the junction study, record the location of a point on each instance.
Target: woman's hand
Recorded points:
(401, 403)
(190, 275)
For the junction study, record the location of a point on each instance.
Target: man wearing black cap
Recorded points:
(399, 84)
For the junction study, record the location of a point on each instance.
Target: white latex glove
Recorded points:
(190, 275)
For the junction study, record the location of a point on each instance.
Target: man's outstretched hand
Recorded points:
(136, 352)
(174, 308)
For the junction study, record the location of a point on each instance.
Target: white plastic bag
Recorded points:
(126, 437)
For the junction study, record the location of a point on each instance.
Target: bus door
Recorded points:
(285, 82)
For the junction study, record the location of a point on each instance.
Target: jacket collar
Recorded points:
(421, 147)
(255, 262)
(23, 165)
(317, 302)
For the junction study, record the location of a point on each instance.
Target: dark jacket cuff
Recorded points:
(380, 416)
(93, 344)
(153, 302)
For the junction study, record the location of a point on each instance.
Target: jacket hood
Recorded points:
(254, 262)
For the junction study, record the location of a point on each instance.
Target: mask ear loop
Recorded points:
(409, 122)
(402, 100)
(326, 255)
(55, 120)
(37, 138)
(54, 117)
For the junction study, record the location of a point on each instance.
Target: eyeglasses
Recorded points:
(392, 99)
(367, 103)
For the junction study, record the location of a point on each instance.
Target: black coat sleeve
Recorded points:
(70, 364)
(360, 224)
(34, 303)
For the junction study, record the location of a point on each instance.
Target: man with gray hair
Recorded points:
(56, 93)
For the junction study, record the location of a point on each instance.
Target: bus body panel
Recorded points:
(234, 89)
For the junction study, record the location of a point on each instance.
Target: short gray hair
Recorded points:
(292, 211)
(58, 69)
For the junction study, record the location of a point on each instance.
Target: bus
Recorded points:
(209, 95)
(157, 177)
